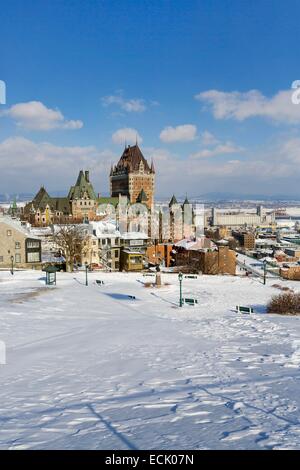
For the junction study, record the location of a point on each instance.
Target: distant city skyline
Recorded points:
(204, 87)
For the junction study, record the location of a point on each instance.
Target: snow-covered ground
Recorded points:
(90, 368)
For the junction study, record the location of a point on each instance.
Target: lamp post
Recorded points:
(86, 273)
(12, 264)
(265, 271)
(180, 276)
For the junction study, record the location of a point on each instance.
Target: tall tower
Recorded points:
(133, 177)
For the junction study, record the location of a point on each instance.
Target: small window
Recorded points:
(1, 259)
(18, 245)
(9, 233)
(18, 258)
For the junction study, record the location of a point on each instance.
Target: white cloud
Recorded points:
(52, 165)
(221, 149)
(34, 115)
(207, 138)
(128, 135)
(183, 133)
(136, 105)
(242, 105)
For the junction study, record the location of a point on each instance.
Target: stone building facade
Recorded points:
(80, 205)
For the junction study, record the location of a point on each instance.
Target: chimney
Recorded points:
(87, 176)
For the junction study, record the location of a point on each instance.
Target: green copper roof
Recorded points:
(114, 201)
(82, 188)
(173, 201)
(186, 201)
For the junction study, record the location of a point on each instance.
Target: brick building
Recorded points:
(221, 260)
(246, 239)
(160, 253)
(133, 177)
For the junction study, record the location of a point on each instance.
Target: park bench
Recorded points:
(99, 282)
(241, 309)
(189, 301)
(190, 276)
(148, 274)
(132, 297)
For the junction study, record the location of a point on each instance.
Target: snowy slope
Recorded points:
(89, 368)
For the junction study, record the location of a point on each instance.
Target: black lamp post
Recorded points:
(86, 273)
(12, 264)
(265, 271)
(180, 276)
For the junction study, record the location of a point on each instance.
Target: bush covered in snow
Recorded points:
(287, 303)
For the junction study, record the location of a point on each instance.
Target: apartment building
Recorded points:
(18, 248)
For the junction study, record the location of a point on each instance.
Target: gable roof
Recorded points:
(41, 197)
(42, 200)
(131, 159)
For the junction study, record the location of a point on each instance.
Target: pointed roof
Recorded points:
(173, 201)
(43, 200)
(186, 201)
(14, 204)
(142, 197)
(41, 196)
(131, 159)
(152, 167)
(82, 187)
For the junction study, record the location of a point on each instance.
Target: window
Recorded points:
(9, 233)
(33, 244)
(18, 258)
(33, 257)
(135, 259)
(18, 245)
(1, 259)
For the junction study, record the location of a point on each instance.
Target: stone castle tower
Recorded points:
(133, 177)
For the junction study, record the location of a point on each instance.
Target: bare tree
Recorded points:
(71, 240)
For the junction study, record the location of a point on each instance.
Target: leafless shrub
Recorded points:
(287, 303)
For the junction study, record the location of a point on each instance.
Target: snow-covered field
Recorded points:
(90, 368)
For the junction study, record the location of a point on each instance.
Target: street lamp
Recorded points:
(180, 276)
(265, 271)
(12, 264)
(86, 273)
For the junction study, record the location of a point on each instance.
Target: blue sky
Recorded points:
(205, 85)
